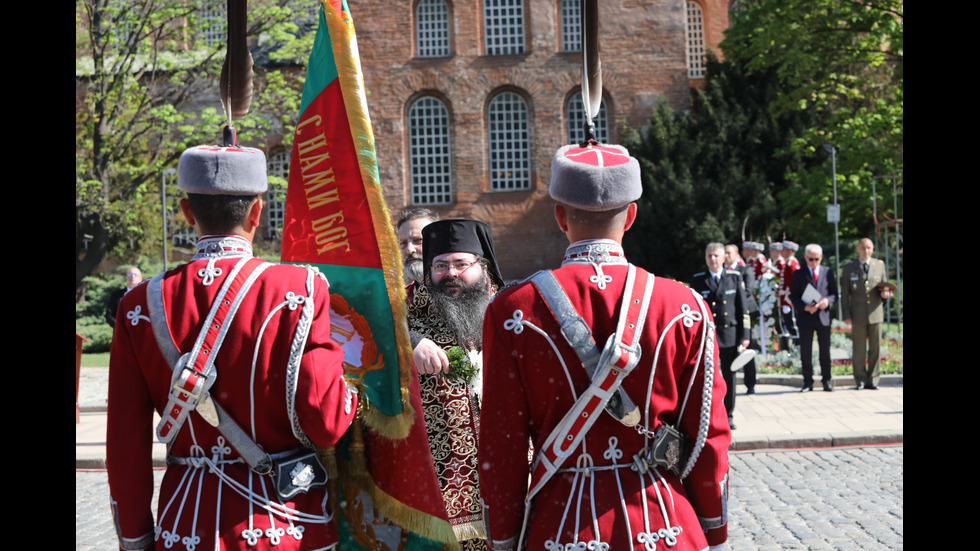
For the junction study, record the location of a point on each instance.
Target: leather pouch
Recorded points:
(669, 449)
(297, 471)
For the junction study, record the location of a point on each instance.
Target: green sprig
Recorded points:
(460, 367)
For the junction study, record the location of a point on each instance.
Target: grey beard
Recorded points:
(463, 314)
(413, 268)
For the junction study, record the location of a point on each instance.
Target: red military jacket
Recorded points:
(279, 375)
(778, 265)
(755, 267)
(596, 497)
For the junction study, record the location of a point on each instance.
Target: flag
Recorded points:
(336, 219)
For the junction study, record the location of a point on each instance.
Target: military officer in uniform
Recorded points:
(733, 260)
(863, 309)
(724, 291)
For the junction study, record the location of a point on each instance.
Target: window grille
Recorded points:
(571, 26)
(503, 27)
(432, 28)
(695, 41)
(186, 237)
(510, 150)
(278, 166)
(575, 117)
(428, 151)
(214, 26)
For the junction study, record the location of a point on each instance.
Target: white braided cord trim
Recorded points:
(708, 345)
(143, 542)
(296, 356)
(684, 315)
(255, 359)
(517, 321)
(276, 509)
(700, 356)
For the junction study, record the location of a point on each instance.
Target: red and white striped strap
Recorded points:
(619, 356)
(194, 373)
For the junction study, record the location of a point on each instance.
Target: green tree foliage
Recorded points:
(714, 173)
(841, 61)
(146, 89)
(797, 74)
(90, 319)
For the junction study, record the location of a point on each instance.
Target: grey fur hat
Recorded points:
(216, 170)
(597, 177)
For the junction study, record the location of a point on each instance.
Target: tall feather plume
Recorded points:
(236, 73)
(591, 66)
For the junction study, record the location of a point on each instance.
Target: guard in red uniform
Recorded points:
(630, 443)
(790, 264)
(235, 354)
(755, 263)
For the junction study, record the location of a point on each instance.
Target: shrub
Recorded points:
(90, 311)
(789, 363)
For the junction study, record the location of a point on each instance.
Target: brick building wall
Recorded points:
(643, 54)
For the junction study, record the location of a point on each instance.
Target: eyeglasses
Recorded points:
(814, 259)
(132, 274)
(443, 268)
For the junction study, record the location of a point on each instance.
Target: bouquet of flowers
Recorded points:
(768, 291)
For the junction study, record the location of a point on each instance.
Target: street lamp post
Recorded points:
(833, 214)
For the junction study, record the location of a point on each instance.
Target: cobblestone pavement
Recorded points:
(821, 499)
(93, 514)
(842, 499)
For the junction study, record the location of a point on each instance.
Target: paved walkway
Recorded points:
(777, 416)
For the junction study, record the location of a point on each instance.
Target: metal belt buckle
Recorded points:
(189, 382)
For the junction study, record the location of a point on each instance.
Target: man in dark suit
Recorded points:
(724, 291)
(862, 305)
(813, 314)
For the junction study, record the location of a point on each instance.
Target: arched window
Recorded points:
(575, 118)
(278, 166)
(428, 152)
(510, 143)
(571, 25)
(503, 27)
(695, 41)
(432, 28)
